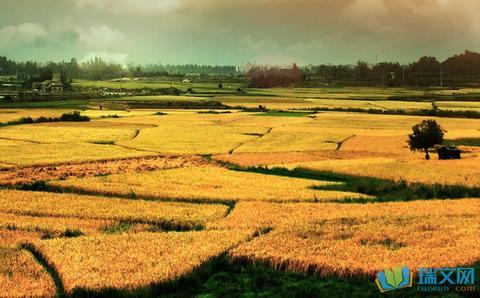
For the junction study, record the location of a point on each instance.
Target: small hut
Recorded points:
(449, 152)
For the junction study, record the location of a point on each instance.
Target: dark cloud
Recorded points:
(237, 32)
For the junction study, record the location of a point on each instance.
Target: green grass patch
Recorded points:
(118, 227)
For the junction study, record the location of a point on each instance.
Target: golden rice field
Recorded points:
(133, 261)
(18, 176)
(192, 139)
(451, 172)
(23, 153)
(7, 115)
(287, 215)
(132, 191)
(332, 239)
(64, 134)
(86, 207)
(12, 238)
(51, 225)
(22, 276)
(207, 184)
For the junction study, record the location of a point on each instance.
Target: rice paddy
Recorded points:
(136, 201)
(60, 205)
(135, 261)
(206, 184)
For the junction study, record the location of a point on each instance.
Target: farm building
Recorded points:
(445, 152)
(54, 87)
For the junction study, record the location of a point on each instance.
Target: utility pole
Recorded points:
(383, 75)
(441, 75)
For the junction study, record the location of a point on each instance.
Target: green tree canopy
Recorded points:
(426, 134)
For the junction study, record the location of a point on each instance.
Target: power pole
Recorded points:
(441, 75)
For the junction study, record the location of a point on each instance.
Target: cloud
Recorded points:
(129, 7)
(117, 58)
(223, 31)
(101, 37)
(22, 34)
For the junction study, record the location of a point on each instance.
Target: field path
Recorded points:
(259, 137)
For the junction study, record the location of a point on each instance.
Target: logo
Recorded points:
(446, 279)
(394, 279)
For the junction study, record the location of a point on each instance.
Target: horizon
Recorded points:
(214, 32)
(133, 64)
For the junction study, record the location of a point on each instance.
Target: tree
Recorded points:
(46, 74)
(426, 134)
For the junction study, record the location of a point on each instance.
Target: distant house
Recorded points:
(445, 152)
(54, 87)
(37, 86)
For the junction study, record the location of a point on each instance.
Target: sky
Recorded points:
(237, 32)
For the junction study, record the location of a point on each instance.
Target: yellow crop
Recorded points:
(130, 261)
(22, 276)
(64, 134)
(7, 115)
(51, 225)
(359, 240)
(291, 141)
(448, 172)
(68, 205)
(12, 238)
(87, 169)
(270, 158)
(25, 153)
(207, 184)
(195, 139)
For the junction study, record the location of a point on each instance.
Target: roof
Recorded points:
(52, 83)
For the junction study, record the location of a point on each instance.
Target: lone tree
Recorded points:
(426, 134)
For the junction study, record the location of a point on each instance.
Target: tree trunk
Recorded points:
(427, 156)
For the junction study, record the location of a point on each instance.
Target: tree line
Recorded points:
(98, 69)
(456, 71)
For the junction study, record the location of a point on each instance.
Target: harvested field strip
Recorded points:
(166, 215)
(132, 262)
(18, 176)
(206, 184)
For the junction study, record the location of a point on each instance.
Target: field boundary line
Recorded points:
(40, 258)
(269, 130)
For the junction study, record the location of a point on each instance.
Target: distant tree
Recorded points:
(220, 85)
(268, 77)
(63, 78)
(46, 74)
(426, 134)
